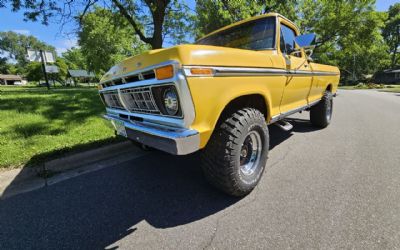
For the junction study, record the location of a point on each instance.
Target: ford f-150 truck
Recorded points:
(219, 95)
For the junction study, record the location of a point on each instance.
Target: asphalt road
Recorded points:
(322, 189)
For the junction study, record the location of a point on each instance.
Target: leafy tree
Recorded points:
(147, 18)
(391, 33)
(348, 34)
(62, 66)
(15, 45)
(74, 58)
(105, 38)
(214, 14)
(4, 66)
(34, 71)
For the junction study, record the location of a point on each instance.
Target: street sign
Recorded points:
(52, 69)
(43, 57)
(34, 56)
(49, 57)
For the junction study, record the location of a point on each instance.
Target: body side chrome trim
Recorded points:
(245, 71)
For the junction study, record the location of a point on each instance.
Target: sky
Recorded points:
(63, 39)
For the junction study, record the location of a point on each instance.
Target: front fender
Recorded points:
(212, 94)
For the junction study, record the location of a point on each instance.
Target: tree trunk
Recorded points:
(397, 44)
(158, 15)
(157, 40)
(394, 59)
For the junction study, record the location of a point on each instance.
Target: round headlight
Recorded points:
(171, 101)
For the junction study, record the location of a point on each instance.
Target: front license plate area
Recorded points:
(119, 127)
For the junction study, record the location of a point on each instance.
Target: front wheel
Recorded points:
(235, 157)
(321, 114)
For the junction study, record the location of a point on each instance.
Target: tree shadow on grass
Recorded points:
(97, 210)
(68, 106)
(36, 128)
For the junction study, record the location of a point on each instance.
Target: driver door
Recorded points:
(299, 77)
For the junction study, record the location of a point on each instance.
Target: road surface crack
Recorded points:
(214, 233)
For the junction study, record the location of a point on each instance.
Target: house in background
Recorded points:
(388, 76)
(11, 80)
(77, 75)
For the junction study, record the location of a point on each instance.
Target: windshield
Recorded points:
(255, 35)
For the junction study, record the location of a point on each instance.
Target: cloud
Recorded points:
(69, 43)
(60, 51)
(22, 32)
(66, 44)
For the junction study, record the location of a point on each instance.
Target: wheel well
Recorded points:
(256, 101)
(329, 88)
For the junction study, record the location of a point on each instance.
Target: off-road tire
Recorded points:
(221, 157)
(321, 113)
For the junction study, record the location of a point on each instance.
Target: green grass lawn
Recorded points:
(37, 125)
(395, 89)
(388, 88)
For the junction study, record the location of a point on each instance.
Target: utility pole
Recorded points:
(396, 48)
(44, 69)
(354, 67)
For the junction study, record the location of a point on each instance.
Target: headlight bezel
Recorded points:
(158, 96)
(171, 102)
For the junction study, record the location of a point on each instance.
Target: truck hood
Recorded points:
(192, 54)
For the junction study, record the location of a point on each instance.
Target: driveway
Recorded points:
(333, 188)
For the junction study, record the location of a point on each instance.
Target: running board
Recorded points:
(291, 112)
(284, 125)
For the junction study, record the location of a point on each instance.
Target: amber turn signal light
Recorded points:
(165, 72)
(202, 71)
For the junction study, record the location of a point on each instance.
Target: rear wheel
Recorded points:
(321, 114)
(235, 157)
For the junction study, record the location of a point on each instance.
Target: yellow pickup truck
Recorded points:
(219, 95)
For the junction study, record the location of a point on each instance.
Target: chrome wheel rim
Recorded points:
(329, 111)
(250, 153)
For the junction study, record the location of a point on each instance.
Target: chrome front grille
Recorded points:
(146, 75)
(139, 100)
(112, 100)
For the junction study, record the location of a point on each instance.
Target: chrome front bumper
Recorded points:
(176, 141)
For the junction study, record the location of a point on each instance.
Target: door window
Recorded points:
(287, 43)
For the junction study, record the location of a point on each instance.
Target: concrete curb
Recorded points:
(17, 181)
(73, 161)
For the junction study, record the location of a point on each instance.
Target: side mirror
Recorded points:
(306, 42)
